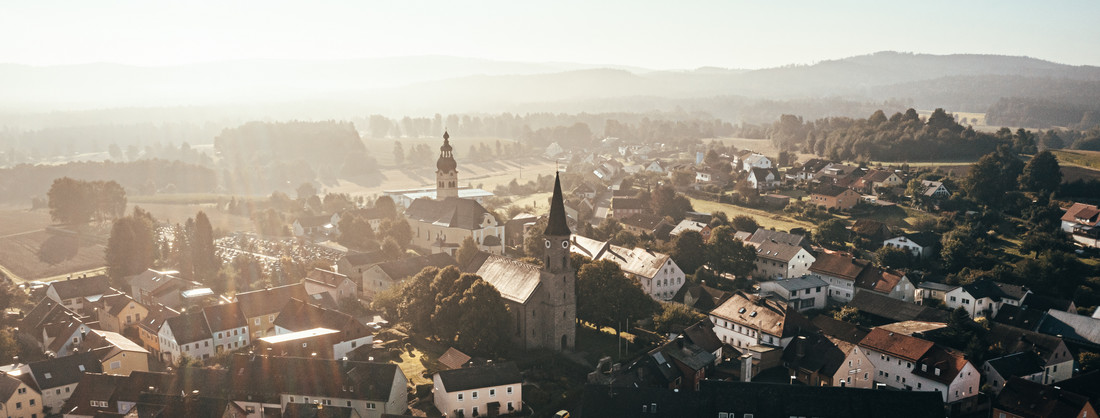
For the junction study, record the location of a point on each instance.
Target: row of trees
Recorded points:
(78, 202)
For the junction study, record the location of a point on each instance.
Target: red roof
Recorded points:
(898, 345)
(1081, 213)
(843, 266)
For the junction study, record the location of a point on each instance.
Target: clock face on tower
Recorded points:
(565, 244)
(547, 243)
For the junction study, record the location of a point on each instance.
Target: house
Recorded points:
(929, 290)
(261, 307)
(802, 293)
(876, 180)
(117, 354)
(1023, 365)
(553, 151)
(316, 225)
(354, 264)
(65, 336)
(840, 271)
(836, 329)
(910, 363)
(885, 282)
(880, 309)
(656, 273)
(776, 260)
(19, 397)
(186, 335)
(818, 360)
(702, 334)
(1079, 331)
(746, 320)
(755, 160)
(1080, 222)
(73, 294)
(337, 285)
(840, 175)
(807, 170)
(369, 389)
(382, 276)
(642, 223)
(871, 230)
(451, 220)
(335, 333)
(493, 389)
(654, 167)
(834, 197)
(228, 326)
(51, 326)
(1022, 398)
(762, 235)
(763, 178)
(584, 190)
(677, 364)
(701, 297)
(921, 244)
(57, 377)
(373, 215)
(149, 328)
(934, 190)
(689, 225)
(119, 311)
(622, 207)
(985, 297)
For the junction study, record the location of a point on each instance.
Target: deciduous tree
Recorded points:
(606, 297)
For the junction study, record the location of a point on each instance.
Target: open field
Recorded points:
(42, 254)
(1090, 159)
(18, 221)
(766, 219)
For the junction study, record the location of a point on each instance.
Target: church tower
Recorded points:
(446, 174)
(558, 278)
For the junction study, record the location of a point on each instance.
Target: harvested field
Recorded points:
(42, 254)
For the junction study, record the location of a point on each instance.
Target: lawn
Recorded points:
(765, 219)
(43, 254)
(179, 212)
(413, 368)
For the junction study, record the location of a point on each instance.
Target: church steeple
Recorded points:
(557, 225)
(557, 233)
(446, 174)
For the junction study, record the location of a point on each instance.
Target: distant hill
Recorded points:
(435, 84)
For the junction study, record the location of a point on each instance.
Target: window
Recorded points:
(116, 365)
(32, 402)
(492, 393)
(952, 298)
(19, 405)
(475, 395)
(509, 390)
(257, 321)
(271, 318)
(460, 397)
(370, 405)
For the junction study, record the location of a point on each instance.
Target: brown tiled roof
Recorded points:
(1087, 213)
(636, 261)
(226, 316)
(82, 287)
(839, 265)
(453, 359)
(896, 344)
(269, 301)
(879, 280)
(776, 251)
(400, 269)
(298, 315)
(766, 315)
(627, 203)
(830, 190)
(950, 362)
(451, 212)
(840, 330)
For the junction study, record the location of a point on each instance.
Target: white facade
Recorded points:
(54, 398)
(797, 265)
(663, 285)
(981, 307)
(803, 298)
(474, 402)
(755, 161)
(230, 339)
(739, 335)
(171, 351)
(904, 243)
(839, 289)
(898, 373)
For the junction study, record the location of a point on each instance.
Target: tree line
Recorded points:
(78, 202)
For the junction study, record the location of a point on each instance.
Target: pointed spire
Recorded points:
(557, 225)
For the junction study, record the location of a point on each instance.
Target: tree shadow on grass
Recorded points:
(58, 248)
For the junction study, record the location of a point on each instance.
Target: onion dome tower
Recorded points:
(446, 174)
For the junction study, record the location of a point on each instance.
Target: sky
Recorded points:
(682, 34)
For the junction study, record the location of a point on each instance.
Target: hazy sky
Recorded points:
(654, 34)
